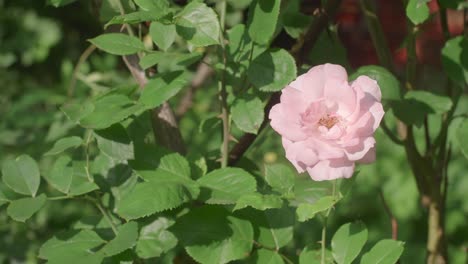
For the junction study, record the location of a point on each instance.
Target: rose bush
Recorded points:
(326, 123)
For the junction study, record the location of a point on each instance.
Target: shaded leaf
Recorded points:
(162, 88)
(155, 239)
(61, 175)
(198, 24)
(306, 211)
(127, 235)
(247, 114)
(163, 35)
(226, 186)
(455, 59)
(63, 144)
(259, 201)
(263, 16)
(272, 70)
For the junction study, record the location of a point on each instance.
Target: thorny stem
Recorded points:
(324, 228)
(223, 95)
(83, 57)
(86, 150)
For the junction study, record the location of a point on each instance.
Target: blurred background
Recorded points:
(40, 45)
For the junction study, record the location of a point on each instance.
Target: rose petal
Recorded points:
(292, 101)
(341, 94)
(357, 152)
(299, 155)
(369, 85)
(284, 125)
(324, 149)
(331, 169)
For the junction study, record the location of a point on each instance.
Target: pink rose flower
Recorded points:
(326, 123)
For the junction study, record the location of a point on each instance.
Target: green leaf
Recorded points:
(132, 18)
(72, 247)
(274, 227)
(437, 103)
(462, 135)
(61, 175)
(126, 238)
(386, 251)
(329, 49)
(155, 6)
(155, 239)
(455, 59)
(181, 59)
(76, 111)
(59, 3)
(118, 43)
(295, 23)
(389, 84)
(309, 192)
(163, 191)
(311, 256)
(348, 241)
(280, 177)
(81, 184)
(217, 238)
(417, 11)
(272, 70)
(115, 143)
(259, 201)
(198, 24)
(162, 88)
(63, 144)
(247, 114)
(416, 105)
(22, 209)
(163, 35)
(265, 256)
(22, 175)
(306, 211)
(263, 16)
(108, 110)
(226, 186)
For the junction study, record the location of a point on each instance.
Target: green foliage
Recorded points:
(162, 35)
(126, 237)
(417, 11)
(462, 134)
(63, 144)
(348, 241)
(226, 186)
(198, 24)
(23, 209)
(416, 105)
(161, 88)
(272, 70)
(93, 127)
(22, 175)
(455, 59)
(263, 16)
(118, 43)
(385, 251)
(247, 114)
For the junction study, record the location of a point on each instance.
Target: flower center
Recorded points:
(328, 121)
